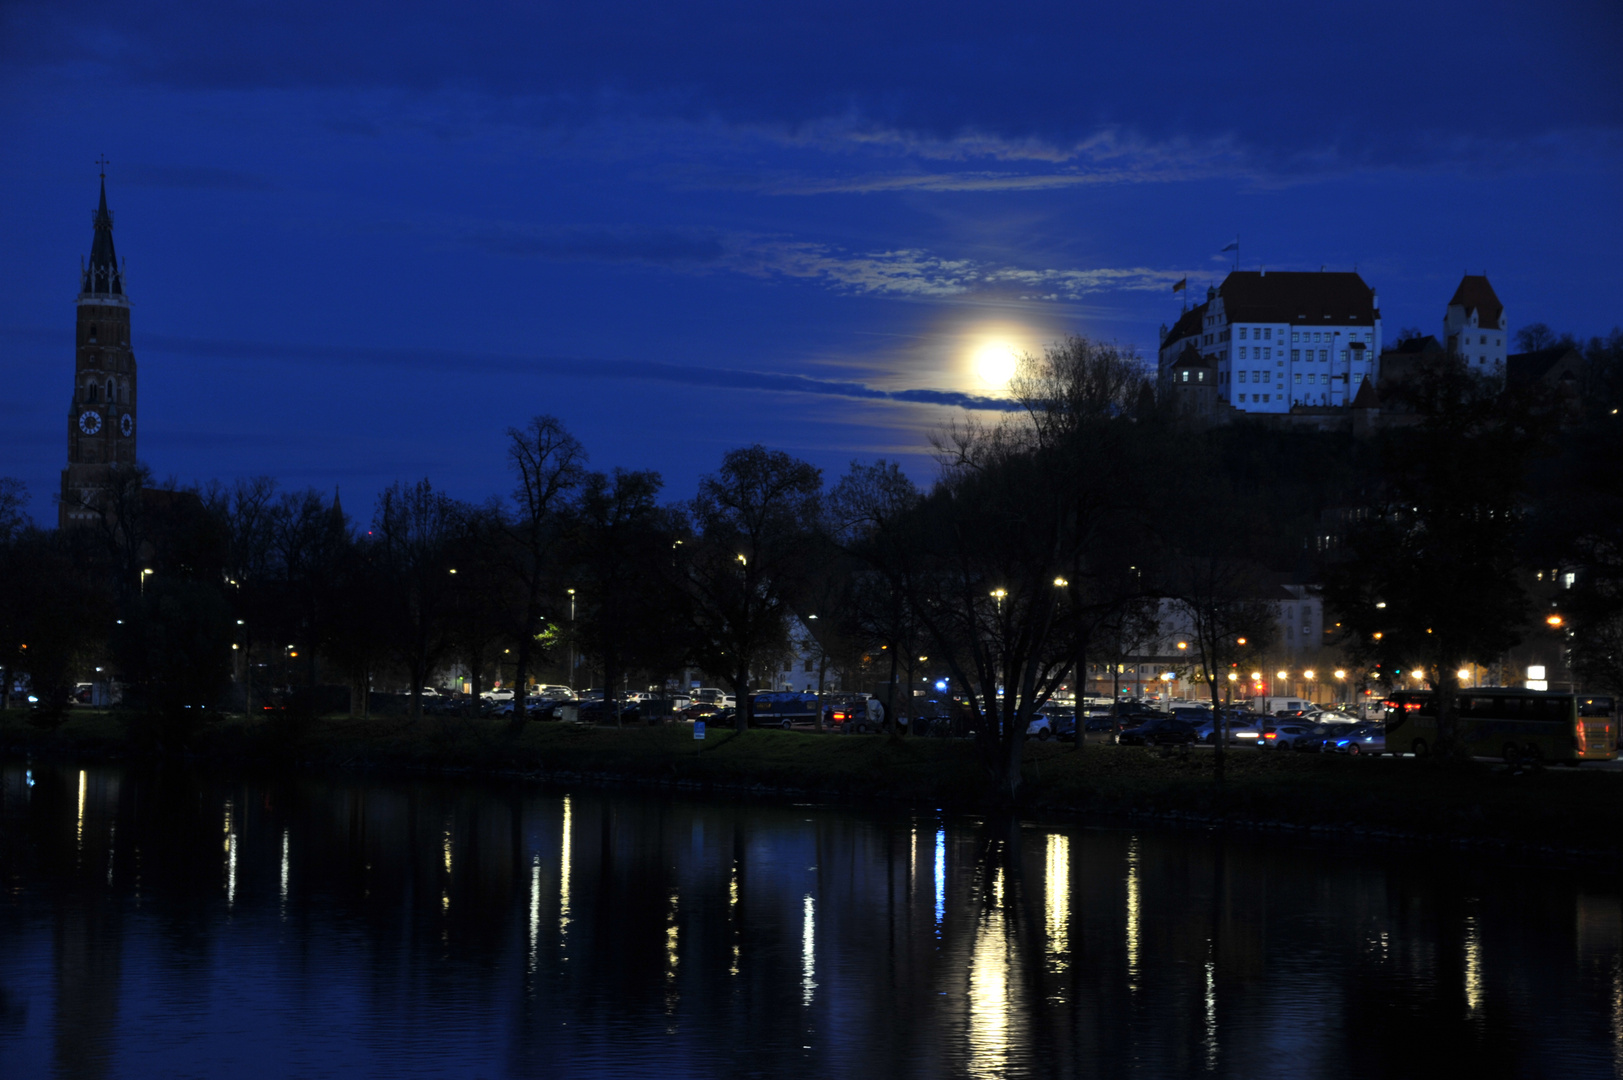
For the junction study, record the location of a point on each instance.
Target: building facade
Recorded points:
(102, 408)
(1474, 326)
(1282, 339)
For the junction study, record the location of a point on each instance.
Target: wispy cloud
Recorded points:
(559, 367)
(904, 272)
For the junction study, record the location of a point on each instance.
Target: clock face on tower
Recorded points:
(89, 422)
(126, 424)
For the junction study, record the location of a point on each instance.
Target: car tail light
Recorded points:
(1270, 735)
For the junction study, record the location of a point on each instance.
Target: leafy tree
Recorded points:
(55, 610)
(755, 521)
(622, 543)
(871, 511)
(1429, 581)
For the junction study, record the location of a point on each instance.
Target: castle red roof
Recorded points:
(1303, 299)
(1475, 294)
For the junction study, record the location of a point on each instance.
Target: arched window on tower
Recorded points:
(112, 390)
(90, 392)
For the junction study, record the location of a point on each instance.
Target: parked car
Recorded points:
(1041, 727)
(1163, 731)
(1294, 735)
(1359, 739)
(862, 716)
(1239, 731)
(1129, 712)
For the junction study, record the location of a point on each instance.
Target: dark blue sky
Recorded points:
(364, 239)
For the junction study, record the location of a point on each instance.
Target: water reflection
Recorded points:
(230, 845)
(989, 989)
(1473, 967)
(563, 873)
(1057, 889)
(693, 930)
(1131, 921)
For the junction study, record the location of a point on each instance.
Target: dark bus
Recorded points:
(1502, 722)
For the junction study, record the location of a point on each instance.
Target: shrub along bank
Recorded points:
(1557, 810)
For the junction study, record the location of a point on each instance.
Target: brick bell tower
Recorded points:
(101, 415)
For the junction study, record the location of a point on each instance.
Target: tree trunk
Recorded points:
(822, 670)
(741, 693)
(521, 671)
(1014, 754)
(890, 694)
(1446, 688)
(1077, 691)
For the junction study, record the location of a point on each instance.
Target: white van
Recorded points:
(1273, 706)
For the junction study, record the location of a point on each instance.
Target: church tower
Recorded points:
(101, 414)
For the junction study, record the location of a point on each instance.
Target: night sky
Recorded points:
(364, 239)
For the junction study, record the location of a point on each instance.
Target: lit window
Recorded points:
(1298, 376)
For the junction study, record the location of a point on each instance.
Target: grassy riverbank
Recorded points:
(1557, 810)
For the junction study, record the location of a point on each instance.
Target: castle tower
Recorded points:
(101, 413)
(1474, 326)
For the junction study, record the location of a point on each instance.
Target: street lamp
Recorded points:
(571, 640)
(998, 595)
(144, 575)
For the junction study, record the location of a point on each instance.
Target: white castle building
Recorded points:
(1281, 339)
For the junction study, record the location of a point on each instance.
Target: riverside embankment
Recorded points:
(1554, 813)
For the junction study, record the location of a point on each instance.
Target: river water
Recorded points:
(175, 923)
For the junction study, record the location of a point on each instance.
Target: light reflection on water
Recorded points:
(711, 939)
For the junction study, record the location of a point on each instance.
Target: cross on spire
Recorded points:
(102, 161)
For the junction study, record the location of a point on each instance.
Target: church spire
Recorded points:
(102, 276)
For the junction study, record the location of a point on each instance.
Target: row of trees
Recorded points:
(1045, 539)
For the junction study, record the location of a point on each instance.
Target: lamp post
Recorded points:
(571, 639)
(144, 575)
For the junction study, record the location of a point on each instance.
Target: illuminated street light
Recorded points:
(1281, 675)
(1554, 620)
(1340, 673)
(1308, 674)
(1182, 645)
(1233, 677)
(1256, 676)
(1463, 673)
(1060, 583)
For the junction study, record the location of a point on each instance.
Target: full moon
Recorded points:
(995, 363)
